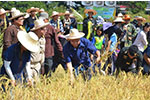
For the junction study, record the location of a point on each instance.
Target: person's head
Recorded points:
(146, 27)
(39, 27)
(3, 13)
(32, 11)
(67, 15)
(99, 30)
(132, 51)
(74, 37)
(126, 19)
(140, 20)
(44, 16)
(118, 21)
(90, 12)
(55, 15)
(17, 17)
(28, 41)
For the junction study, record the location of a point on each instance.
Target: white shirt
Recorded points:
(141, 40)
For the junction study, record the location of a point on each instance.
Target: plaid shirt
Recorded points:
(55, 25)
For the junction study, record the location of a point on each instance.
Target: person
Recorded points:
(38, 58)
(67, 22)
(113, 33)
(73, 21)
(56, 23)
(89, 23)
(4, 22)
(76, 53)
(99, 42)
(10, 34)
(29, 22)
(139, 20)
(129, 60)
(17, 57)
(130, 32)
(141, 39)
(51, 38)
(146, 61)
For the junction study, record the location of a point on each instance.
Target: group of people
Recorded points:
(35, 45)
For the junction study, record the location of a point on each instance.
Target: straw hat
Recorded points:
(41, 10)
(39, 23)
(140, 18)
(119, 19)
(120, 15)
(90, 10)
(32, 9)
(16, 13)
(54, 13)
(29, 40)
(126, 17)
(3, 11)
(74, 34)
(67, 13)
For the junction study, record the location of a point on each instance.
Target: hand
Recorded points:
(72, 80)
(97, 59)
(13, 82)
(91, 57)
(30, 82)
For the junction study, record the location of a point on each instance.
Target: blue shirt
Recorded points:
(54, 24)
(147, 51)
(113, 40)
(79, 55)
(12, 54)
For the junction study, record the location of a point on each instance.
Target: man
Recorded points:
(67, 22)
(10, 34)
(76, 53)
(129, 59)
(4, 23)
(89, 24)
(50, 36)
(37, 59)
(29, 22)
(113, 33)
(130, 32)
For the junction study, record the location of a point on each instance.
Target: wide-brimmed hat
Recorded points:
(118, 19)
(74, 34)
(16, 13)
(120, 15)
(67, 13)
(32, 9)
(43, 15)
(54, 13)
(140, 18)
(29, 40)
(126, 17)
(41, 10)
(90, 10)
(39, 23)
(3, 11)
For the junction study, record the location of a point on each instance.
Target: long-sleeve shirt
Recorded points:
(55, 25)
(51, 38)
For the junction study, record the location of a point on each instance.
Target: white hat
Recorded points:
(43, 15)
(39, 23)
(54, 13)
(26, 15)
(118, 19)
(74, 34)
(29, 40)
(32, 9)
(16, 13)
(120, 15)
(67, 13)
(41, 10)
(2, 11)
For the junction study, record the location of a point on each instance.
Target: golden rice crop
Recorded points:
(125, 87)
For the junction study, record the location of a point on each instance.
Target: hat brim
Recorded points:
(4, 12)
(33, 9)
(27, 42)
(75, 37)
(23, 14)
(143, 19)
(90, 10)
(33, 29)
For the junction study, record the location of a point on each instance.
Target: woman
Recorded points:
(17, 57)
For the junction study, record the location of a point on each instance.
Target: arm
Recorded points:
(108, 46)
(70, 67)
(147, 59)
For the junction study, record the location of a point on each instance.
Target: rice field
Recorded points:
(125, 87)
